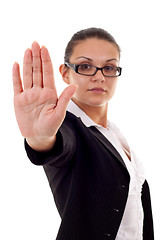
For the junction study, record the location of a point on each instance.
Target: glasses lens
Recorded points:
(86, 69)
(111, 71)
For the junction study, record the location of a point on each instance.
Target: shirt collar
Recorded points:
(74, 109)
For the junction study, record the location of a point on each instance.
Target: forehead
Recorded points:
(95, 49)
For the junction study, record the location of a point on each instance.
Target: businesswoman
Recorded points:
(98, 184)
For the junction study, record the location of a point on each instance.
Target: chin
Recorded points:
(90, 102)
(96, 103)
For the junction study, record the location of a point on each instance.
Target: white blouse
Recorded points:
(131, 227)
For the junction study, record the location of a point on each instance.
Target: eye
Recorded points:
(108, 68)
(85, 67)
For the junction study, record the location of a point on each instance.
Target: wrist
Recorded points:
(41, 144)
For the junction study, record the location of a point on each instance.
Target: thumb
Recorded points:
(65, 97)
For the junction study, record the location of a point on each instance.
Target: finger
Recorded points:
(17, 83)
(48, 76)
(37, 65)
(65, 98)
(27, 69)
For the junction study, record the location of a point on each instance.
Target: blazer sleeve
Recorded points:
(148, 231)
(60, 154)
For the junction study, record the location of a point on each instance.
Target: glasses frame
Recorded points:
(75, 67)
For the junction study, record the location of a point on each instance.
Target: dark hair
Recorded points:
(85, 34)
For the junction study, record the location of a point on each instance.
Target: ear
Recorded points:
(64, 71)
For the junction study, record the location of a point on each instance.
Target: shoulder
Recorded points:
(73, 122)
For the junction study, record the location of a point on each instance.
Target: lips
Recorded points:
(97, 89)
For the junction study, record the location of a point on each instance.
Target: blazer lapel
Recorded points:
(107, 144)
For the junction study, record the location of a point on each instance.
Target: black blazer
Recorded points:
(89, 182)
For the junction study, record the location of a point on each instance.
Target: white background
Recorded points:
(27, 209)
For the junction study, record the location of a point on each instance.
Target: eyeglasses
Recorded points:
(89, 70)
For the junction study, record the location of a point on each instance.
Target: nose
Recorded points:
(98, 76)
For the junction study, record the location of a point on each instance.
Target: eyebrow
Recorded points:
(109, 60)
(84, 57)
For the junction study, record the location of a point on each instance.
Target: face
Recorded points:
(94, 90)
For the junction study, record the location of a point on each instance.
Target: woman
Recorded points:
(97, 182)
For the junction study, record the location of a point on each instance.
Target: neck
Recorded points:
(97, 113)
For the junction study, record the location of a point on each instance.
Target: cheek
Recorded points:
(80, 91)
(79, 80)
(82, 87)
(73, 78)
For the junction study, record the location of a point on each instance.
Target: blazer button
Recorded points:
(116, 210)
(107, 235)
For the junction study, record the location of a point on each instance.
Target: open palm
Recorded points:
(38, 110)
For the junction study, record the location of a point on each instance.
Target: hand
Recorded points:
(38, 110)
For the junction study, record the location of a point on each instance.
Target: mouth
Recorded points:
(97, 90)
